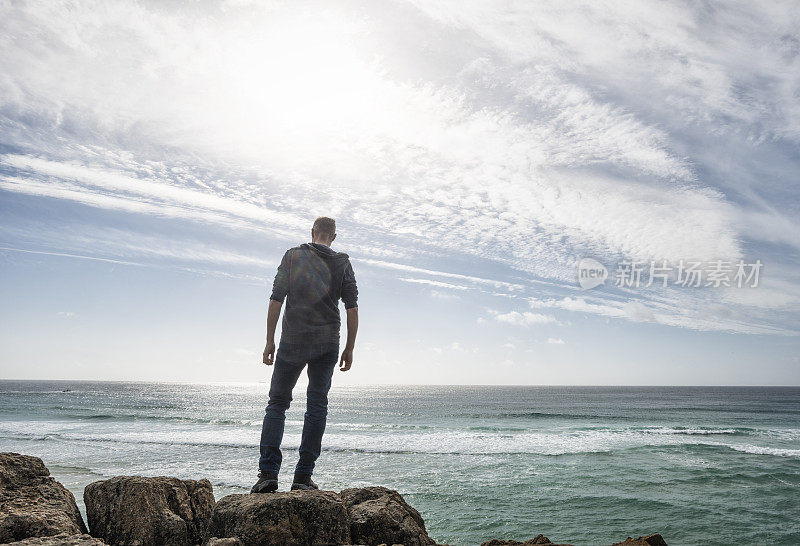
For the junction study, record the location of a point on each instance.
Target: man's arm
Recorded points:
(280, 287)
(273, 312)
(350, 300)
(352, 328)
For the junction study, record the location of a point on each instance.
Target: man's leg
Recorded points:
(320, 372)
(284, 377)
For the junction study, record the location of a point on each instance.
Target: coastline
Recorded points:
(135, 510)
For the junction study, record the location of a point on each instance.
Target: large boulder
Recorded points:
(33, 504)
(380, 516)
(282, 519)
(139, 511)
(369, 516)
(649, 540)
(61, 540)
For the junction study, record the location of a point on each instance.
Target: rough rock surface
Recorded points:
(214, 541)
(134, 510)
(33, 504)
(381, 516)
(539, 539)
(282, 519)
(649, 540)
(61, 540)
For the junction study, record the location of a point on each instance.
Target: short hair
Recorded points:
(325, 226)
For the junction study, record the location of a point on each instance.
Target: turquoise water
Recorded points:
(587, 465)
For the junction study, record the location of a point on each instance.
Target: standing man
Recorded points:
(312, 278)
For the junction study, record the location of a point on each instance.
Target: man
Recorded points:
(312, 278)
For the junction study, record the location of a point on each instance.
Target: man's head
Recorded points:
(324, 230)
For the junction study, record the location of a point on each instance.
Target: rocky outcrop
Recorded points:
(380, 516)
(649, 540)
(33, 504)
(368, 516)
(539, 539)
(139, 511)
(136, 511)
(61, 540)
(282, 519)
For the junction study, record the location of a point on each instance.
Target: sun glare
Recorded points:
(302, 77)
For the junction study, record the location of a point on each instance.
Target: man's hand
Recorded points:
(347, 360)
(352, 327)
(273, 312)
(269, 353)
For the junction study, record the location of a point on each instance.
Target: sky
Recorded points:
(157, 159)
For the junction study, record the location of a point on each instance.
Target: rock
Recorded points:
(214, 541)
(282, 519)
(134, 510)
(61, 540)
(649, 540)
(380, 516)
(33, 504)
(539, 539)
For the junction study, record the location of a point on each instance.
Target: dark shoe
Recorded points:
(267, 483)
(303, 482)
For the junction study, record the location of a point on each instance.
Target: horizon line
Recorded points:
(177, 382)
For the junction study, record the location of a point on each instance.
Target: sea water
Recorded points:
(586, 465)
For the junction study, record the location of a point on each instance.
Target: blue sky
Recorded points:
(156, 159)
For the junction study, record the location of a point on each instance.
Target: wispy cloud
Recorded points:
(438, 284)
(525, 318)
(685, 312)
(541, 133)
(445, 274)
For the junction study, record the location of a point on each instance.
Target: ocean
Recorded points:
(585, 465)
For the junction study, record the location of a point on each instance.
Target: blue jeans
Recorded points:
(289, 363)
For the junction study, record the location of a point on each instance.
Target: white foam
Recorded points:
(453, 441)
(760, 450)
(690, 431)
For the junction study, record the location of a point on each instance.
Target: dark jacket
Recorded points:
(313, 278)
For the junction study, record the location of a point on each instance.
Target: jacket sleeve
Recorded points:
(349, 288)
(280, 286)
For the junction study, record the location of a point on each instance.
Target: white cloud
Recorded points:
(458, 276)
(697, 62)
(555, 341)
(438, 284)
(498, 176)
(108, 188)
(578, 305)
(639, 312)
(553, 131)
(438, 294)
(525, 318)
(685, 311)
